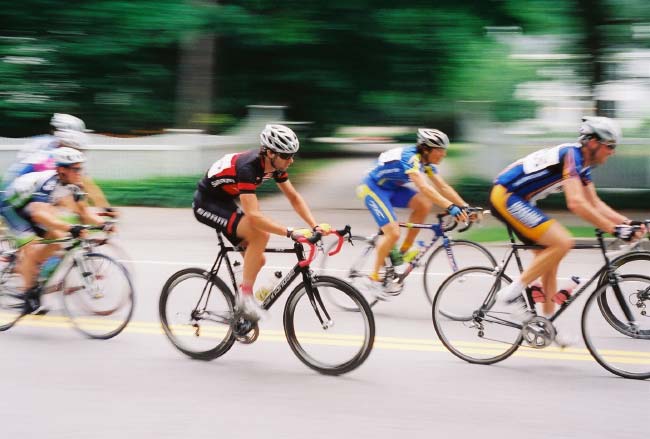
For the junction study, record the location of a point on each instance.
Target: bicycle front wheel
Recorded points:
(618, 335)
(355, 263)
(440, 264)
(339, 343)
(196, 311)
(98, 296)
(12, 299)
(480, 332)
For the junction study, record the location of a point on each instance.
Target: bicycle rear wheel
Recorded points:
(346, 338)
(478, 334)
(618, 344)
(439, 266)
(98, 296)
(12, 299)
(196, 312)
(355, 263)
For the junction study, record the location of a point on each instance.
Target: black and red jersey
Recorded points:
(236, 174)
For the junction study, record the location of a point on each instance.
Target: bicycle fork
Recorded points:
(316, 302)
(88, 278)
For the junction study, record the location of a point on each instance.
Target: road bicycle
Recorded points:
(615, 325)
(198, 313)
(96, 290)
(448, 257)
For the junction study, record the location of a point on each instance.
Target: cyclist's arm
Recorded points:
(46, 215)
(95, 194)
(250, 206)
(578, 203)
(88, 216)
(602, 207)
(429, 191)
(446, 190)
(298, 203)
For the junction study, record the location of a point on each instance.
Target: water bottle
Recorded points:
(238, 272)
(49, 266)
(264, 292)
(564, 294)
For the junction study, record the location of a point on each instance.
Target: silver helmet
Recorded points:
(603, 128)
(432, 138)
(279, 138)
(65, 156)
(72, 138)
(61, 121)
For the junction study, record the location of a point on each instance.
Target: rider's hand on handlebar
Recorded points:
(77, 230)
(626, 232)
(301, 233)
(323, 228)
(458, 213)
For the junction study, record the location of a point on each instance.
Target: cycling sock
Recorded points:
(246, 290)
(375, 277)
(405, 247)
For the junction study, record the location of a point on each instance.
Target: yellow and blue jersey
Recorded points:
(394, 166)
(541, 173)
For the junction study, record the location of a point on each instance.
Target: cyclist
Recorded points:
(234, 178)
(390, 184)
(29, 211)
(567, 168)
(66, 130)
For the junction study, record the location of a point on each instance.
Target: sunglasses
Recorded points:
(286, 155)
(75, 169)
(611, 146)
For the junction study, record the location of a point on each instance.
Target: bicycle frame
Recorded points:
(302, 267)
(514, 251)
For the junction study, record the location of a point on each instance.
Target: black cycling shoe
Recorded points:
(33, 302)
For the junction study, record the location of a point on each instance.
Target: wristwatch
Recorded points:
(289, 231)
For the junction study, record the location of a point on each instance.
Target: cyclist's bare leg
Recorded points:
(420, 207)
(384, 244)
(558, 242)
(254, 258)
(32, 255)
(549, 285)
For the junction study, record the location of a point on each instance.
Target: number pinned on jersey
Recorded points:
(541, 159)
(220, 165)
(390, 155)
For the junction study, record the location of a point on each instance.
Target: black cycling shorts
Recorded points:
(222, 215)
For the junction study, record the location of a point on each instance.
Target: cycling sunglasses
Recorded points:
(286, 155)
(611, 146)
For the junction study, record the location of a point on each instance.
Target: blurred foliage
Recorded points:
(178, 191)
(115, 63)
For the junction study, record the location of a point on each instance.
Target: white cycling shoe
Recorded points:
(249, 307)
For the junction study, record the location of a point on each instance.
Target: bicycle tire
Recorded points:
(302, 331)
(603, 303)
(95, 313)
(12, 300)
(486, 344)
(440, 253)
(177, 333)
(612, 357)
(354, 273)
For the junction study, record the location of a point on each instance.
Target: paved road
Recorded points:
(59, 385)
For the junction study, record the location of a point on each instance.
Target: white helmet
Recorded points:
(279, 138)
(62, 121)
(72, 138)
(432, 138)
(603, 128)
(64, 156)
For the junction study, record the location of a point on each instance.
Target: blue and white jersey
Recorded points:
(35, 157)
(33, 187)
(541, 173)
(394, 166)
